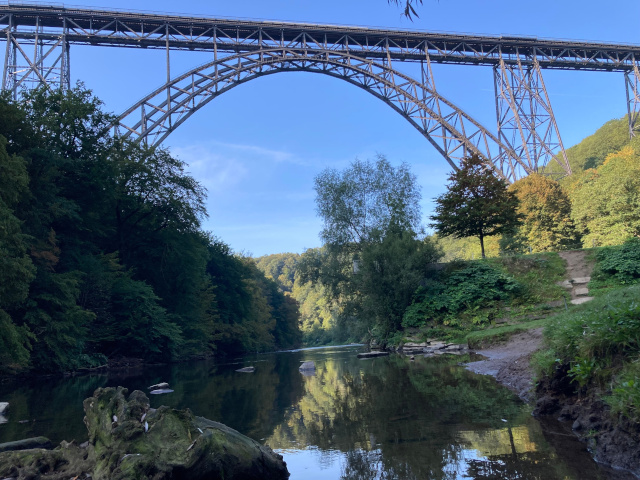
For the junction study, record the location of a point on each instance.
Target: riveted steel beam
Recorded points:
(526, 120)
(632, 84)
(37, 60)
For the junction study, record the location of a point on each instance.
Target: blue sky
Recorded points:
(258, 147)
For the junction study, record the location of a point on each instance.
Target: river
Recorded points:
(381, 418)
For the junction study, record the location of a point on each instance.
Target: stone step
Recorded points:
(578, 301)
(581, 291)
(580, 280)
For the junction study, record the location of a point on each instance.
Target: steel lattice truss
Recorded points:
(37, 52)
(632, 82)
(525, 116)
(452, 132)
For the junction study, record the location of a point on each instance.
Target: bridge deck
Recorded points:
(146, 30)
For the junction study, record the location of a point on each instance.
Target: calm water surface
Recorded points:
(382, 418)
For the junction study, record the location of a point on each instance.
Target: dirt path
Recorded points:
(577, 264)
(509, 362)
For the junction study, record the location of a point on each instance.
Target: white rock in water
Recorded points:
(307, 366)
(246, 370)
(160, 391)
(159, 385)
(4, 407)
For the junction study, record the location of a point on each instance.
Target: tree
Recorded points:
(476, 204)
(16, 268)
(606, 200)
(366, 200)
(546, 211)
(372, 261)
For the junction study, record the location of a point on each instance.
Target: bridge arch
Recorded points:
(449, 129)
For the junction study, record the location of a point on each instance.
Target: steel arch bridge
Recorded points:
(527, 139)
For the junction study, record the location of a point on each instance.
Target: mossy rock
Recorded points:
(128, 440)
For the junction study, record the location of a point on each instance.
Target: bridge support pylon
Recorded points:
(33, 59)
(525, 117)
(632, 83)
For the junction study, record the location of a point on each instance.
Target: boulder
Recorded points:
(4, 408)
(27, 443)
(307, 366)
(129, 440)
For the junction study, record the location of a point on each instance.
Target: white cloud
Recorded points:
(213, 170)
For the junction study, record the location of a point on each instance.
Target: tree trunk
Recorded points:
(482, 245)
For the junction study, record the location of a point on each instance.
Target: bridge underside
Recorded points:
(527, 140)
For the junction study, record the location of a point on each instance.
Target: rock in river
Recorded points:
(246, 370)
(159, 386)
(308, 369)
(168, 444)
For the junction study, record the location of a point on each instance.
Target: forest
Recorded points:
(102, 254)
(598, 206)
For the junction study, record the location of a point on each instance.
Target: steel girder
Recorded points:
(450, 130)
(525, 117)
(632, 83)
(146, 30)
(41, 59)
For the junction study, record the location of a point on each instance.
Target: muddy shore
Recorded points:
(611, 443)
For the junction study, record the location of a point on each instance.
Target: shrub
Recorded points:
(465, 287)
(599, 343)
(625, 396)
(619, 265)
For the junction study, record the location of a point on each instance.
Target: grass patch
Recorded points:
(597, 345)
(470, 300)
(492, 336)
(538, 274)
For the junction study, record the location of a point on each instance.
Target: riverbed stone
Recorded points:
(27, 443)
(168, 444)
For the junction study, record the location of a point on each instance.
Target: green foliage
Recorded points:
(465, 248)
(538, 274)
(459, 295)
(366, 199)
(606, 201)
(141, 327)
(372, 261)
(101, 252)
(593, 150)
(545, 209)
(619, 265)
(595, 344)
(16, 268)
(476, 204)
(625, 395)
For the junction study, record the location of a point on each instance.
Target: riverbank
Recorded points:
(510, 362)
(612, 442)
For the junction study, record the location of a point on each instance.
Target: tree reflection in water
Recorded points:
(429, 419)
(384, 418)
